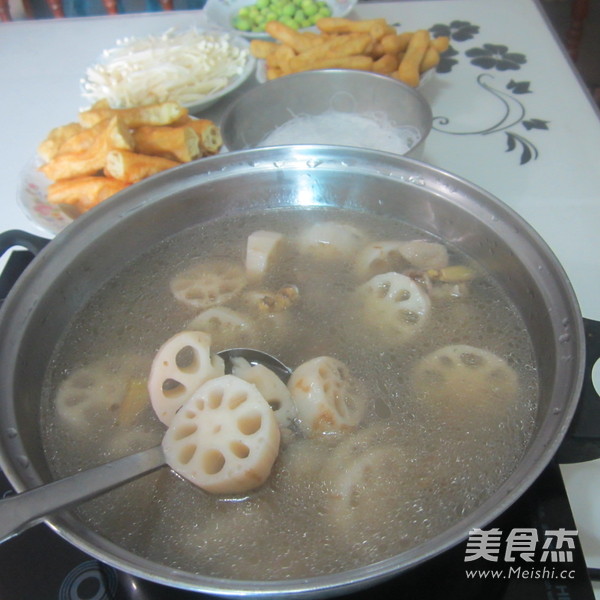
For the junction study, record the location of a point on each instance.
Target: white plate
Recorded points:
(222, 12)
(235, 83)
(32, 200)
(210, 99)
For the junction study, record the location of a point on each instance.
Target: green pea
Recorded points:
(288, 10)
(310, 9)
(294, 13)
(288, 21)
(242, 24)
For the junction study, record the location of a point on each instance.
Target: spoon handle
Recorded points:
(21, 511)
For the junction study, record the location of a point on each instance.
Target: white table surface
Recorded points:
(551, 176)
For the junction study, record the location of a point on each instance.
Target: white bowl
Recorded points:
(222, 12)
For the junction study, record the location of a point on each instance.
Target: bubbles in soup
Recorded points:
(442, 359)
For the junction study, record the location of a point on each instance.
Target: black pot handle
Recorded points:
(19, 259)
(582, 441)
(16, 237)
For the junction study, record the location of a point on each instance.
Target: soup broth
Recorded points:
(417, 462)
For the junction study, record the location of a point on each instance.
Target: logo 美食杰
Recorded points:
(522, 552)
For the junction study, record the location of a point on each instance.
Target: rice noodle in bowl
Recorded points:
(374, 131)
(336, 106)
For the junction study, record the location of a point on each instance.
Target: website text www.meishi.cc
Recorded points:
(523, 553)
(521, 573)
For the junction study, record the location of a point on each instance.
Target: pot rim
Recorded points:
(311, 158)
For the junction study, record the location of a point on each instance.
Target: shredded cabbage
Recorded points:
(184, 67)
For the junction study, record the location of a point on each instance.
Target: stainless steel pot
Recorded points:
(74, 265)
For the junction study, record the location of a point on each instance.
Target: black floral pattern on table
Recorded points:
(495, 60)
(447, 60)
(495, 56)
(459, 31)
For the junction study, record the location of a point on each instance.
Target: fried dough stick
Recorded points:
(84, 139)
(392, 43)
(209, 135)
(89, 162)
(299, 42)
(262, 48)
(432, 57)
(409, 70)
(358, 62)
(346, 45)
(164, 113)
(56, 138)
(175, 143)
(133, 167)
(84, 192)
(341, 25)
(280, 59)
(386, 64)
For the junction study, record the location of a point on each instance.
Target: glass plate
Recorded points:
(32, 200)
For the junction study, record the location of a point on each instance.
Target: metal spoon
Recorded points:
(21, 511)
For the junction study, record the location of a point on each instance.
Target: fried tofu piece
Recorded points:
(84, 192)
(132, 167)
(164, 113)
(175, 143)
(56, 138)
